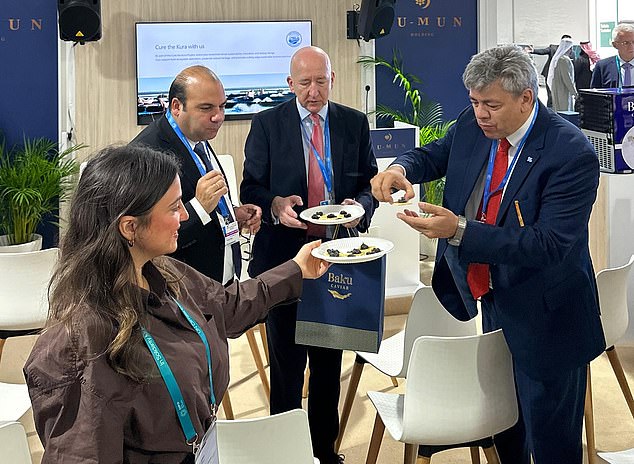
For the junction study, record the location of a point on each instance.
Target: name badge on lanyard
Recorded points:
(229, 228)
(207, 452)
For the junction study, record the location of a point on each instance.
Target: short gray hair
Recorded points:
(509, 65)
(622, 27)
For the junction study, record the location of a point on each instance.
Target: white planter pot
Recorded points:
(428, 246)
(33, 245)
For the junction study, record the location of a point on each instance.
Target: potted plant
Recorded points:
(34, 177)
(417, 110)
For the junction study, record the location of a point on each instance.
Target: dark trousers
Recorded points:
(551, 411)
(288, 362)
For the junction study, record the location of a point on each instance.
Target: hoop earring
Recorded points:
(131, 243)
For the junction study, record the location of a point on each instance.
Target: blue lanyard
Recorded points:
(222, 204)
(170, 381)
(325, 166)
(494, 148)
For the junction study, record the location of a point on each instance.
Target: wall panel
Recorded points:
(105, 70)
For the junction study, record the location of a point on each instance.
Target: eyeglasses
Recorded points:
(625, 42)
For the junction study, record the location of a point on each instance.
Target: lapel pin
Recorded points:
(529, 159)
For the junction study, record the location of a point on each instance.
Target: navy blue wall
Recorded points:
(28, 76)
(28, 69)
(436, 39)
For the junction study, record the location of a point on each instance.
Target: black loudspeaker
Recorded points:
(375, 18)
(79, 20)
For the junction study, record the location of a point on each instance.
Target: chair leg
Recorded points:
(253, 344)
(226, 406)
(375, 441)
(2, 340)
(620, 376)
(265, 344)
(492, 455)
(394, 381)
(410, 453)
(588, 413)
(475, 454)
(306, 380)
(355, 376)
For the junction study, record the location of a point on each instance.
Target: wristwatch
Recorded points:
(457, 238)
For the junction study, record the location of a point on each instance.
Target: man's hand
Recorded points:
(209, 189)
(356, 221)
(388, 181)
(438, 222)
(282, 208)
(248, 217)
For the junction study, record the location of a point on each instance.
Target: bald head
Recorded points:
(311, 78)
(188, 77)
(308, 55)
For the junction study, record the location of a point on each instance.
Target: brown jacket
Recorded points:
(85, 412)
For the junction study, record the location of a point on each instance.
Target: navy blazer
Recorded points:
(274, 165)
(541, 272)
(605, 74)
(200, 246)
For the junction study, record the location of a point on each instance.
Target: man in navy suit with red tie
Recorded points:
(209, 239)
(299, 154)
(513, 230)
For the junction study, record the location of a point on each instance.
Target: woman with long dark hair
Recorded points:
(134, 357)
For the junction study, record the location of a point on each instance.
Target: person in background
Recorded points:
(210, 237)
(561, 79)
(120, 312)
(617, 71)
(303, 153)
(550, 51)
(513, 235)
(583, 66)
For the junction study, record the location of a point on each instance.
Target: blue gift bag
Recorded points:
(344, 308)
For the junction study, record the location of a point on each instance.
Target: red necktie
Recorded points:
(315, 177)
(477, 273)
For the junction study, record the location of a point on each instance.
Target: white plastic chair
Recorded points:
(612, 286)
(426, 316)
(23, 306)
(13, 443)
(272, 439)
(459, 390)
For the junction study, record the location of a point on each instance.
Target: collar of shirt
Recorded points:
(304, 113)
(515, 138)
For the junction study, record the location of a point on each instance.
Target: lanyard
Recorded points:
(619, 78)
(170, 381)
(222, 204)
(494, 148)
(325, 166)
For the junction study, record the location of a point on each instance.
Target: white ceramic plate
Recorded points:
(354, 211)
(345, 245)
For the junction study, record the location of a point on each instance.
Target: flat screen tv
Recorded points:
(251, 58)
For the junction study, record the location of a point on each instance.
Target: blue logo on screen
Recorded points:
(293, 38)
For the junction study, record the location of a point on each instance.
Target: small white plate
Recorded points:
(345, 245)
(354, 211)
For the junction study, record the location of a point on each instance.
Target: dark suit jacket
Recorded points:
(200, 246)
(550, 51)
(605, 74)
(274, 166)
(542, 275)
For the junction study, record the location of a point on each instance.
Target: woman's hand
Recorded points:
(312, 268)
